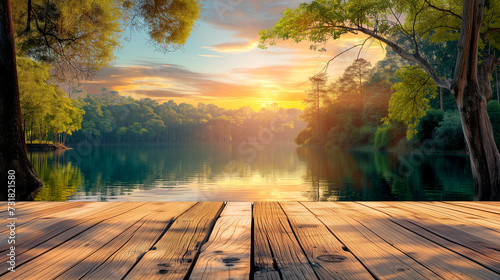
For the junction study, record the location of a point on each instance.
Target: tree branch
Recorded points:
(417, 58)
(442, 10)
(489, 30)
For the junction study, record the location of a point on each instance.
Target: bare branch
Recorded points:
(339, 54)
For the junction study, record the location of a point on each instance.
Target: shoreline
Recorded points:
(45, 147)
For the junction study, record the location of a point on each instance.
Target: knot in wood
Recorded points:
(331, 258)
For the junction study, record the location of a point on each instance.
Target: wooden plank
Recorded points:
(381, 258)
(493, 208)
(26, 207)
(443, 232)
(263, 257)
(43, 228)
(41, 241)
(468, 223)
(25, 213)
(178, 248)
(227, 254)
(323, 250)
(277, 250)
(117, 257)
(419, 242)
(472, 215)
(52, 263)
(44, 215)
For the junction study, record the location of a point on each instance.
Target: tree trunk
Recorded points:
(441, 98)
(13, 153)
(472, 101)
(472, 90)
(483, 153)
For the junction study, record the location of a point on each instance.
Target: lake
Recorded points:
(224, 172)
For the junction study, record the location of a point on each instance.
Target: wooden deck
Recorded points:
(264, 240)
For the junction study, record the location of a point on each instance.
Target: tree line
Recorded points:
(112, 118)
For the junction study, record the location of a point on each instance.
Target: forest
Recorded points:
(392, 105)
(112, 118)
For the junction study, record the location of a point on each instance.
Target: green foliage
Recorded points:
(382, 137)
(428, 124)
(366, 135)
(494, 114)
(45, 110)
(449, 135)
(112, 118)
(353, 78)
(388, 135)
(168, 22)
(303, 137)
(410, 100)
(79, 37)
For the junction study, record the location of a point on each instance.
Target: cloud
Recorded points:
(209, 55)
(244, 19)
(234, 47)
(158, 82)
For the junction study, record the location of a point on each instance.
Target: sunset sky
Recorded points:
(221, 64)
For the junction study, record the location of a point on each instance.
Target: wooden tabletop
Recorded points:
(261, 240)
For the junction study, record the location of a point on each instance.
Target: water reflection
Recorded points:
(61, 179)
(220, 172)
(375, 176)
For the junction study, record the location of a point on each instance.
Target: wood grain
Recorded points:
(277, 250)
(179, 247)
(323, 250)
(486, 206)
(64, 256)
(380, 257)
(442, 256)
(227, 254)
(42, 239)
(117, 257)
(287, 240)
(468, 223)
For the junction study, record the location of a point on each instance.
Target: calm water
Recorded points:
(225, 172)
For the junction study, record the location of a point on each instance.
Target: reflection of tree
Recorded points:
(332, 173)
(355, 175)
(60, 179)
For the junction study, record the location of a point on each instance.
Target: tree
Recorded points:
(63, 28)
(356, 74)
(314, 100)
(44, 107)
(12, 146)
(473, 23)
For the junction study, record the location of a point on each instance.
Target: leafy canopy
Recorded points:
(80, 37)
(322, 20)
(410, 100)
(42, 103)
